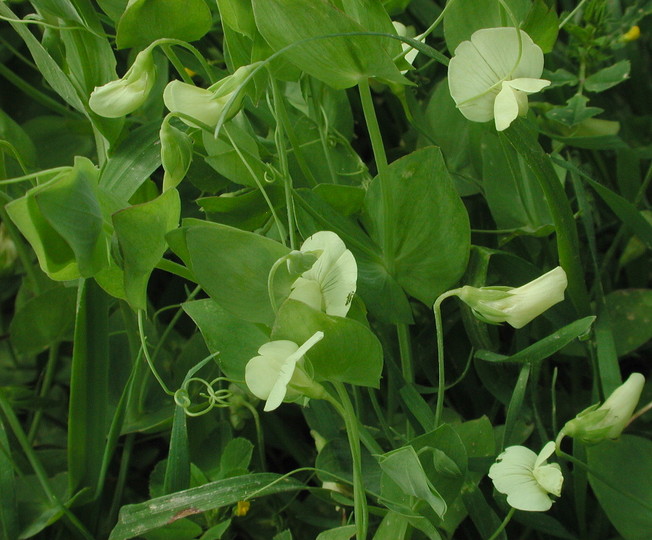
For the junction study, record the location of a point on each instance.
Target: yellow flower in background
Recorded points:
(491, 75)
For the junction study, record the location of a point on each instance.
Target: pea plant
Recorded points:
(295, 269)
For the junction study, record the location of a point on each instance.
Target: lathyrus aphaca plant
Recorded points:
(249, 236)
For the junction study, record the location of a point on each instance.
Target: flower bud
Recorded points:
(518, 306)
(124, 96)
(595, 424)
(206, 105)
(8, 253)
(176, 154)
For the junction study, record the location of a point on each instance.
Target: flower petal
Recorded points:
(307, 291)
(545, 453)
(529, 86)
(550, 478)
(261, 372)
(505, 107)
(530, 497)
(335, 271)
(192, 101)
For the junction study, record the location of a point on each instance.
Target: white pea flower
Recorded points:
(595, 424)
(278, 373)
(206, 105)
(330, 283)
(516, 306)
(123, 96)
(526, 478)
(411, 53)
(492, 75)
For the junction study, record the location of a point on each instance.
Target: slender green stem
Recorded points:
(122, 476)
(279, 140)
(359, 495)
(37, 174)
(277, 220)
(148, 358)
(372, 126)
(441, 371)
(407, 367)
(284, 118)
(260, 439)
(176, 269)
(172, 323)
(50, 370)
(601, 478)
(178, 65)
(502, 526)
(571, 14)
(323, 138)
(41, 475)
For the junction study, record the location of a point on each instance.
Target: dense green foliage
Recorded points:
(168, 172)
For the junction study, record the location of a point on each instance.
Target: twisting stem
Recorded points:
(148, 358)
(441, 372)
(345, 408)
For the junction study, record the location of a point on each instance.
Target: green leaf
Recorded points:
(608, 77)
(238, 14)
(444, 460)
(145, 21)
(393, 527)
(246, 210)
(232, 266)
(88, 416)
(340, 533)
(237, 341)
(629, 310)
(568, 249)
(132, 162)
(513, 194)
(183, 529)
(47, 66)
(137, 519)
(546, 347)
(542, 24)
(177, 469)
(141, 231)
(43, 320)
(459, 26)
(403, 467)
(626, 464)
(416, 204)
(63, 221)
(235, 457)
(349, 351)
(575, 111)
(341, 61)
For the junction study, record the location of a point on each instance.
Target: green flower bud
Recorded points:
(516, 306)
(595, 424)
(124, 96)
(206, 105)
(176, 154)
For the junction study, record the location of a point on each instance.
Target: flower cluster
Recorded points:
(327, 283)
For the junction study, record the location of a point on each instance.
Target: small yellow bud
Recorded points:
(632, 34)
(190, 72)
(242, 508)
